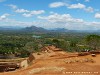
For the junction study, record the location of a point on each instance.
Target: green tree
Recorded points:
(93, 41)
(56, 42)
(32, 47)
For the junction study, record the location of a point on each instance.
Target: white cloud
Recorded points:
(31, 13)
(71, 6)
(89, 9)
(12, 6)
(77, 6)
(13, 22)
(67, 21)
(97, 15)
(55, 21)
(57, 4)
(81, 6)
(26, 13)
(64, 18)
(37, 12)
(4, 16)
(21, 11)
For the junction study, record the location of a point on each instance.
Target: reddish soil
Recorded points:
(61, 64)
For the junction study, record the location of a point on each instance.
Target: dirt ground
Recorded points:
(61, 64)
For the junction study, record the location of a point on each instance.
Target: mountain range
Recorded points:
(40, 29)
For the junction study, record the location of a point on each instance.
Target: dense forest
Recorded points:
(22, 44)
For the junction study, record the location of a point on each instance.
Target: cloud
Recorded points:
(12, 6)
(4, 16)
(64, 18)
(21, 11)
(57, 4)
(77, 6)
(37, 12)
(67, 21)
(71, 6)
(97, 15)
(27, 15)
(25, 12)
(31, 13)
(2, 0)
(13, 22)
(81, 6)
(53, 20)
(89, 9)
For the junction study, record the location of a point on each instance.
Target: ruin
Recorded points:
(12, 64)
(46, 52)
(5, 67)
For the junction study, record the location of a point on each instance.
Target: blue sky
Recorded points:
(69, 14)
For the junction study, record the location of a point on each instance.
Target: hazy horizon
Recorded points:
(49, 14)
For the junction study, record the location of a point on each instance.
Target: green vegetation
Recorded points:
(93, 41)
(22, 44)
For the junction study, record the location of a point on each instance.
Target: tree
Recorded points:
(56, 42)
(32, 47)
(93, 41)
(73, 45)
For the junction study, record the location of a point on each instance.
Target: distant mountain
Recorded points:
(40, 29)
(34, 29)
(10, 28)
(59, 30)
(43, 30)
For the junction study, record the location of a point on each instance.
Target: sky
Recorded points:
(69, 14)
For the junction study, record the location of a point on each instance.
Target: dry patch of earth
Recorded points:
(61, 63)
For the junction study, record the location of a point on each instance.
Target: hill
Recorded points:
(44, 30)
(34, 29)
